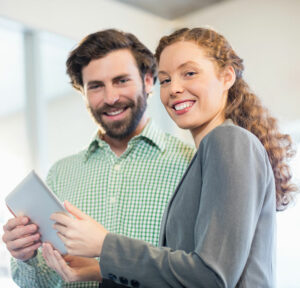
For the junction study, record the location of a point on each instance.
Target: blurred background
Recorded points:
(42, 119)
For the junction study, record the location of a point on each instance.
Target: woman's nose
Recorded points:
(176, 88)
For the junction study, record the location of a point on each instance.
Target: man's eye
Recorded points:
(123, 80)
(94, 86)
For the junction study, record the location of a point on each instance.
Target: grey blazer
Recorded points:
(218, 229)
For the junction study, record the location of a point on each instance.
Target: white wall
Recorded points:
(266, 35)
(77, 18)
(70, 129)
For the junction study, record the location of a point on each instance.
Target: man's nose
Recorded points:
(111, 96)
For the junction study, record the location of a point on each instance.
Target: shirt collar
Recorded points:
(151, 133)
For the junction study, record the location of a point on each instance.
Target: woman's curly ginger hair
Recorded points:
(244, 107)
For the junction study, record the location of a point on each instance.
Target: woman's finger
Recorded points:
(61, 229)
(74, 211)
(66, 270)
(51, 260)
(61, 218)
(65, 240)
(46, 255)
(57, 265)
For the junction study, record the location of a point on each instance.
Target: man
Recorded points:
(126, 175)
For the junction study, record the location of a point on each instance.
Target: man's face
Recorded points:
(115, 92)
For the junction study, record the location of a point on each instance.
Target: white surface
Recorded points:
(7, 283)
(77, 18)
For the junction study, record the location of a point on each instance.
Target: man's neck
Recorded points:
(118, 146)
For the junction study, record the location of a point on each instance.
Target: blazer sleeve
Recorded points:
(234, 175)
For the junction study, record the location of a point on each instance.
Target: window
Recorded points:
(13, 144)
(288, 229)
(32, 75)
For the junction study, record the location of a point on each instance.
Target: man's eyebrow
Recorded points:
(180, 66)
(120, 77)
(94, 82)
(98, 82)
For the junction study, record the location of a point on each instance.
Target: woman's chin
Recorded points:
(185, 126)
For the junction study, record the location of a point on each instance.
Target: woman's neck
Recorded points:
(200, 132)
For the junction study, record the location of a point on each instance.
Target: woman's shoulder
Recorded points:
(229, 136)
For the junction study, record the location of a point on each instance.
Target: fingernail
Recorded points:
(24, 220)
(33, 228)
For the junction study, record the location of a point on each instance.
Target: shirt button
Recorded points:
(117, 167)
(123, 280)
(112, 200)
(112, 277)
(135, 283)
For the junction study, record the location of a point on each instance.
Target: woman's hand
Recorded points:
(82, 236)
(71, 268)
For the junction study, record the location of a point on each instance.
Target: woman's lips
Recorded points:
(182, 106)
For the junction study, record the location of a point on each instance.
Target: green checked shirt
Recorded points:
(127, 194)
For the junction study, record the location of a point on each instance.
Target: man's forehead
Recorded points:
(113, 64)
(117, 56)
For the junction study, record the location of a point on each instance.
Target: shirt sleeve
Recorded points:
(35, 272)
(233, 189)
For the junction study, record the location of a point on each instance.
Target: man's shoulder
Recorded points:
(72, 160)
(167, 142)
(176, 145)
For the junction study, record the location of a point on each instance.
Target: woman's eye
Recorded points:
(165, 81)
(190, 73)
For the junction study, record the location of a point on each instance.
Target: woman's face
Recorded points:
(191, 90)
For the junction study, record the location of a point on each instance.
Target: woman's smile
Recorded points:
(181, 107)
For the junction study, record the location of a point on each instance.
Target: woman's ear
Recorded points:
(148, 82)
(229, 77)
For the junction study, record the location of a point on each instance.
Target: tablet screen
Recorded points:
(32, 198)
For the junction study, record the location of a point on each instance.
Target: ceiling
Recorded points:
(170, 9)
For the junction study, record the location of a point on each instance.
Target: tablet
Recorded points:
(34, 199)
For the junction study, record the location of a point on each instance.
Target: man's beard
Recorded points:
(122, 128)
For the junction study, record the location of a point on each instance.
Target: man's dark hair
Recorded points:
(99, 44)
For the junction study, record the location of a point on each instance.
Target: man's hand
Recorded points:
(82, 236)
(21, 238)
(72, 268)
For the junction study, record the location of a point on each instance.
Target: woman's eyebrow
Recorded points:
(162, 72)
(188, 63)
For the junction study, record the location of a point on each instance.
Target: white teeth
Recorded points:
(183, 105)
(113, 113)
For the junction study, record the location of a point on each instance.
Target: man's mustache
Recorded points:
(108, 108)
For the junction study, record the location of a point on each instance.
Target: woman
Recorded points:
(219, 227)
